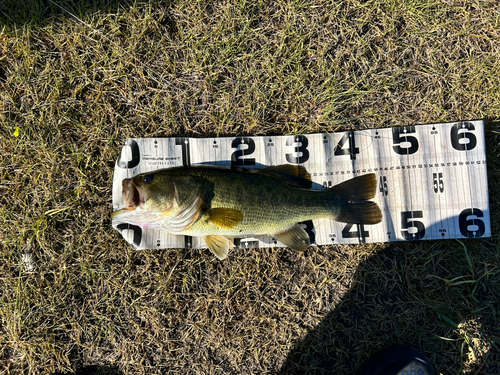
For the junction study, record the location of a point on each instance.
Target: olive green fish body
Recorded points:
(268, 206)
(217, 203)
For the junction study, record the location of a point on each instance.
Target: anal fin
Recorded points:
(295, 237)
(218, 245)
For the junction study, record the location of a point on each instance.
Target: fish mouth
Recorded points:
(133, 196)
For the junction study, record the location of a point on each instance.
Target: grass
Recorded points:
(79, 77)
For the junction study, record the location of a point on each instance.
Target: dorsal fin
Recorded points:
(294, 175)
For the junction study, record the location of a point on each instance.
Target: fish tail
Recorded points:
(354, 196)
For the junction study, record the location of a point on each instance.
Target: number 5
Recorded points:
(404, 144)
(412, 229)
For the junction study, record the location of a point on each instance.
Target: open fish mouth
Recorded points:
(133, 196)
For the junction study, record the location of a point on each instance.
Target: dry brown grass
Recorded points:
(79, 77)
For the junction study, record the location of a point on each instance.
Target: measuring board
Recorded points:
(432, 179)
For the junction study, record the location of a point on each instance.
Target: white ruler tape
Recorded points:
(432, 179)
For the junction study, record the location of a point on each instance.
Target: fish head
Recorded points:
(150, 191)
(160, 200)
(147, 197)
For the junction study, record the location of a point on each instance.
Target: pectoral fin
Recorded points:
(219, 245)
(224, 217)
(295, 237)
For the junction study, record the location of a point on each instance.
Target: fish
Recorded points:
(219, 203)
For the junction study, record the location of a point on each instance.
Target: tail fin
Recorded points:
(354, 195)
(360, 213)
(361, 188)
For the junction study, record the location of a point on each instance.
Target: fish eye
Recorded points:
(148, 178)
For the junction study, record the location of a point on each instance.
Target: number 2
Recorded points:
(237, 158)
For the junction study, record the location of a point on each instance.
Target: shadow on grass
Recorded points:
(392, 305)
(94, 370)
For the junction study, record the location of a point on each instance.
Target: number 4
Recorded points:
(383, 185)
(360, 233)
(352, 151)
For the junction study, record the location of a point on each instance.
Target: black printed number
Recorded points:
(309, 228)
(412, 229)
(137, 237)
(470, 224)
(404, 144)
(462, 138)
(301, 154)
(383, 185)
(352, 150)
(245, 146)
(136, 156)
(438, 182)
(184, 143)
(360, 232)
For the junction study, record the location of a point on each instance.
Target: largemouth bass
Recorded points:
(221, 203)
